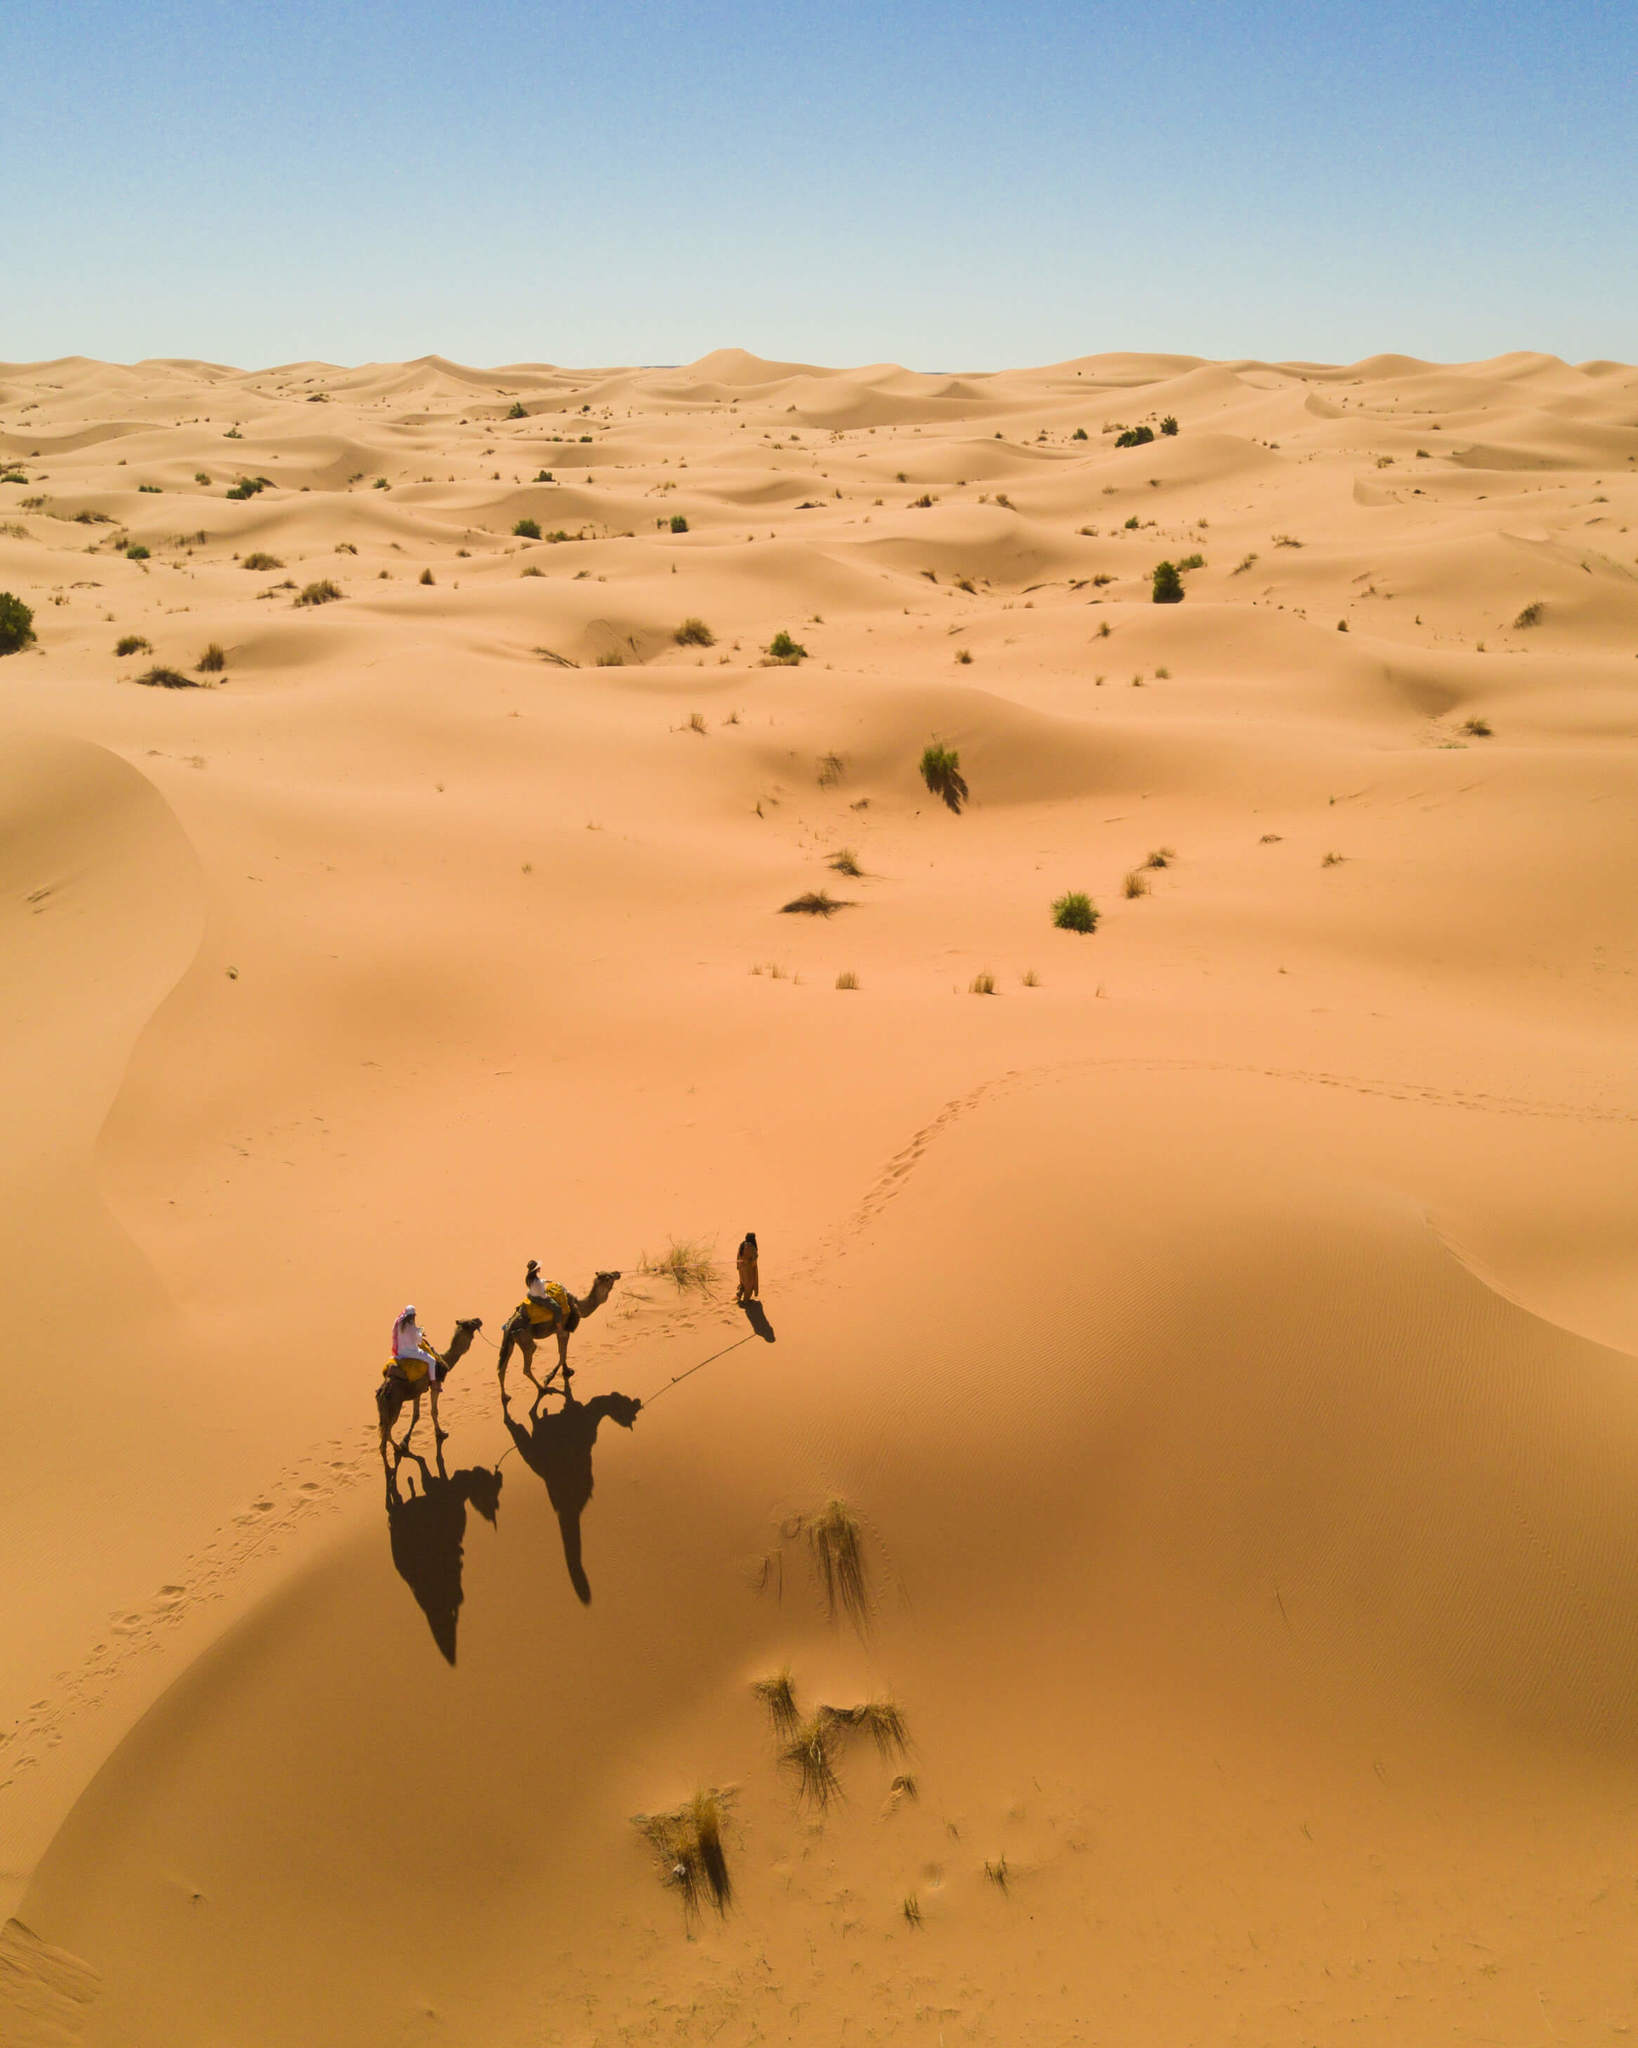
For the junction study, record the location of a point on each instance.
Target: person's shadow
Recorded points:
(427, 1529)
(558, 1446)
(757, 1318)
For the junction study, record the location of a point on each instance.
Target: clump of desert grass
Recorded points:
(162, 678)
(1030, 978)
(688, 1843)
(836, 1551)
(689, 1262)
(832, 767)
(1136, 883)
(260, 559)
(783, 651)
(981, 985)
(1477, 728)
(941, 771)
(132, 643)
(1075, 911)
(694, 633)
(912, 1909)
(778, 1695)
(881, 1719)
(16, 623)
(810, 1753)
(428, 577)
(997, 1872)
(1161, 857)
(696, 723)
(322, 592)
(815, 903)
(1531, 615)
(613, 659)
(847, 979)
(846, 862)
(1333, 860)
(212, 661)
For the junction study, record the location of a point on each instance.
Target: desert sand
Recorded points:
(1222, 1337)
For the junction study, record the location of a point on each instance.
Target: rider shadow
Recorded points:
(757, 1318)
(428, 1530)
(557, 1444)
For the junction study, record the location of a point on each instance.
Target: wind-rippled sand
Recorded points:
(1223, 1337)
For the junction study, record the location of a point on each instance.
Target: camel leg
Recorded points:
(415, 1416)
(563, 1365)
(438, 1434)
(507, 1342)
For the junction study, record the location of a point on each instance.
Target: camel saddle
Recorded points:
(412, 1371)
(558, 1306)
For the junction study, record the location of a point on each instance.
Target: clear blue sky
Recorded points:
(958, 186)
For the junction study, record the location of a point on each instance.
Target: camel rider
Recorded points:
(534, 1286)
(411, 1349)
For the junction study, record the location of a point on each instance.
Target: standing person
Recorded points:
(750, 1280)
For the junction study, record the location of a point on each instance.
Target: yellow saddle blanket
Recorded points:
(412, 1369)
(544, 1315)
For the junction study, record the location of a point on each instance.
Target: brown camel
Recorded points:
(522, 1334)
(397, 1387)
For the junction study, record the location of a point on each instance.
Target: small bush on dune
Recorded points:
(613, 659)
(519, 410)
(1079, 434)
(810, 1754)
(131, 643)
(526, 529)
(688, 1844)
(258, 560)
(1136, 882)
(686, 1261)
(1075, 911)
(136, 552)
(167, 679)
(16, 623)
(1192, 562)
(212, 661)
(324, 592)
(1166, 584)
(678, 523)
(428, 577)
(1530, 616)
(981, 985)
(941, 771)
(846, 862)
(1135, 437)
(1168, 425)
(1477, 728)
(1161, 857)
(814, 903)
(783, 648)
(847, 979)
(778, 1695)
(694, 633)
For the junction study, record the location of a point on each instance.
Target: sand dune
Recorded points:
(1222, 1336)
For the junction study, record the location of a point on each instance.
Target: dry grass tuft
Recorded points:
(696, 722)
(1332, 860)
(261, 560)
(836, 1547)
(1030, 978)
(688, 1843)
(809, 1754)
(981, 985)
(997, 1871)
(778, 1695)
(694, 633)
(1531, 615)
(815, 903)
(1477, 728)
(912, 1909)
(160, 678)
(132, 643)
(847, 978)
(832, 768)
(846, 862)
(323, 592)
(882, 1719)
(1161, 857)
(212, 661)
(1136, 883)
(690, 1262)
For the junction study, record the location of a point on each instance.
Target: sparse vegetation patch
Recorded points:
(1075, 911)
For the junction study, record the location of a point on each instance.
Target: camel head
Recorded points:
(465, 1330)
(603, 1286)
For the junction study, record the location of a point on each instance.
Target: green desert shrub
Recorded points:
(694, 633)
(519, 410)
(136, 552)
(1530, 616)
(941, 771)
(1079, 434)
(783, 648)
(248, 486)
(1168, 425)
(526, 529)
(16, 623)
(1167, 584)
(1192, 562)
(1134, 437)
(678, 523)
(428, 577)
(1075, 911)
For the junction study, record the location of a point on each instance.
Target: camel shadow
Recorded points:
(756, 1316)
(427, 1530)
(557, 1445)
